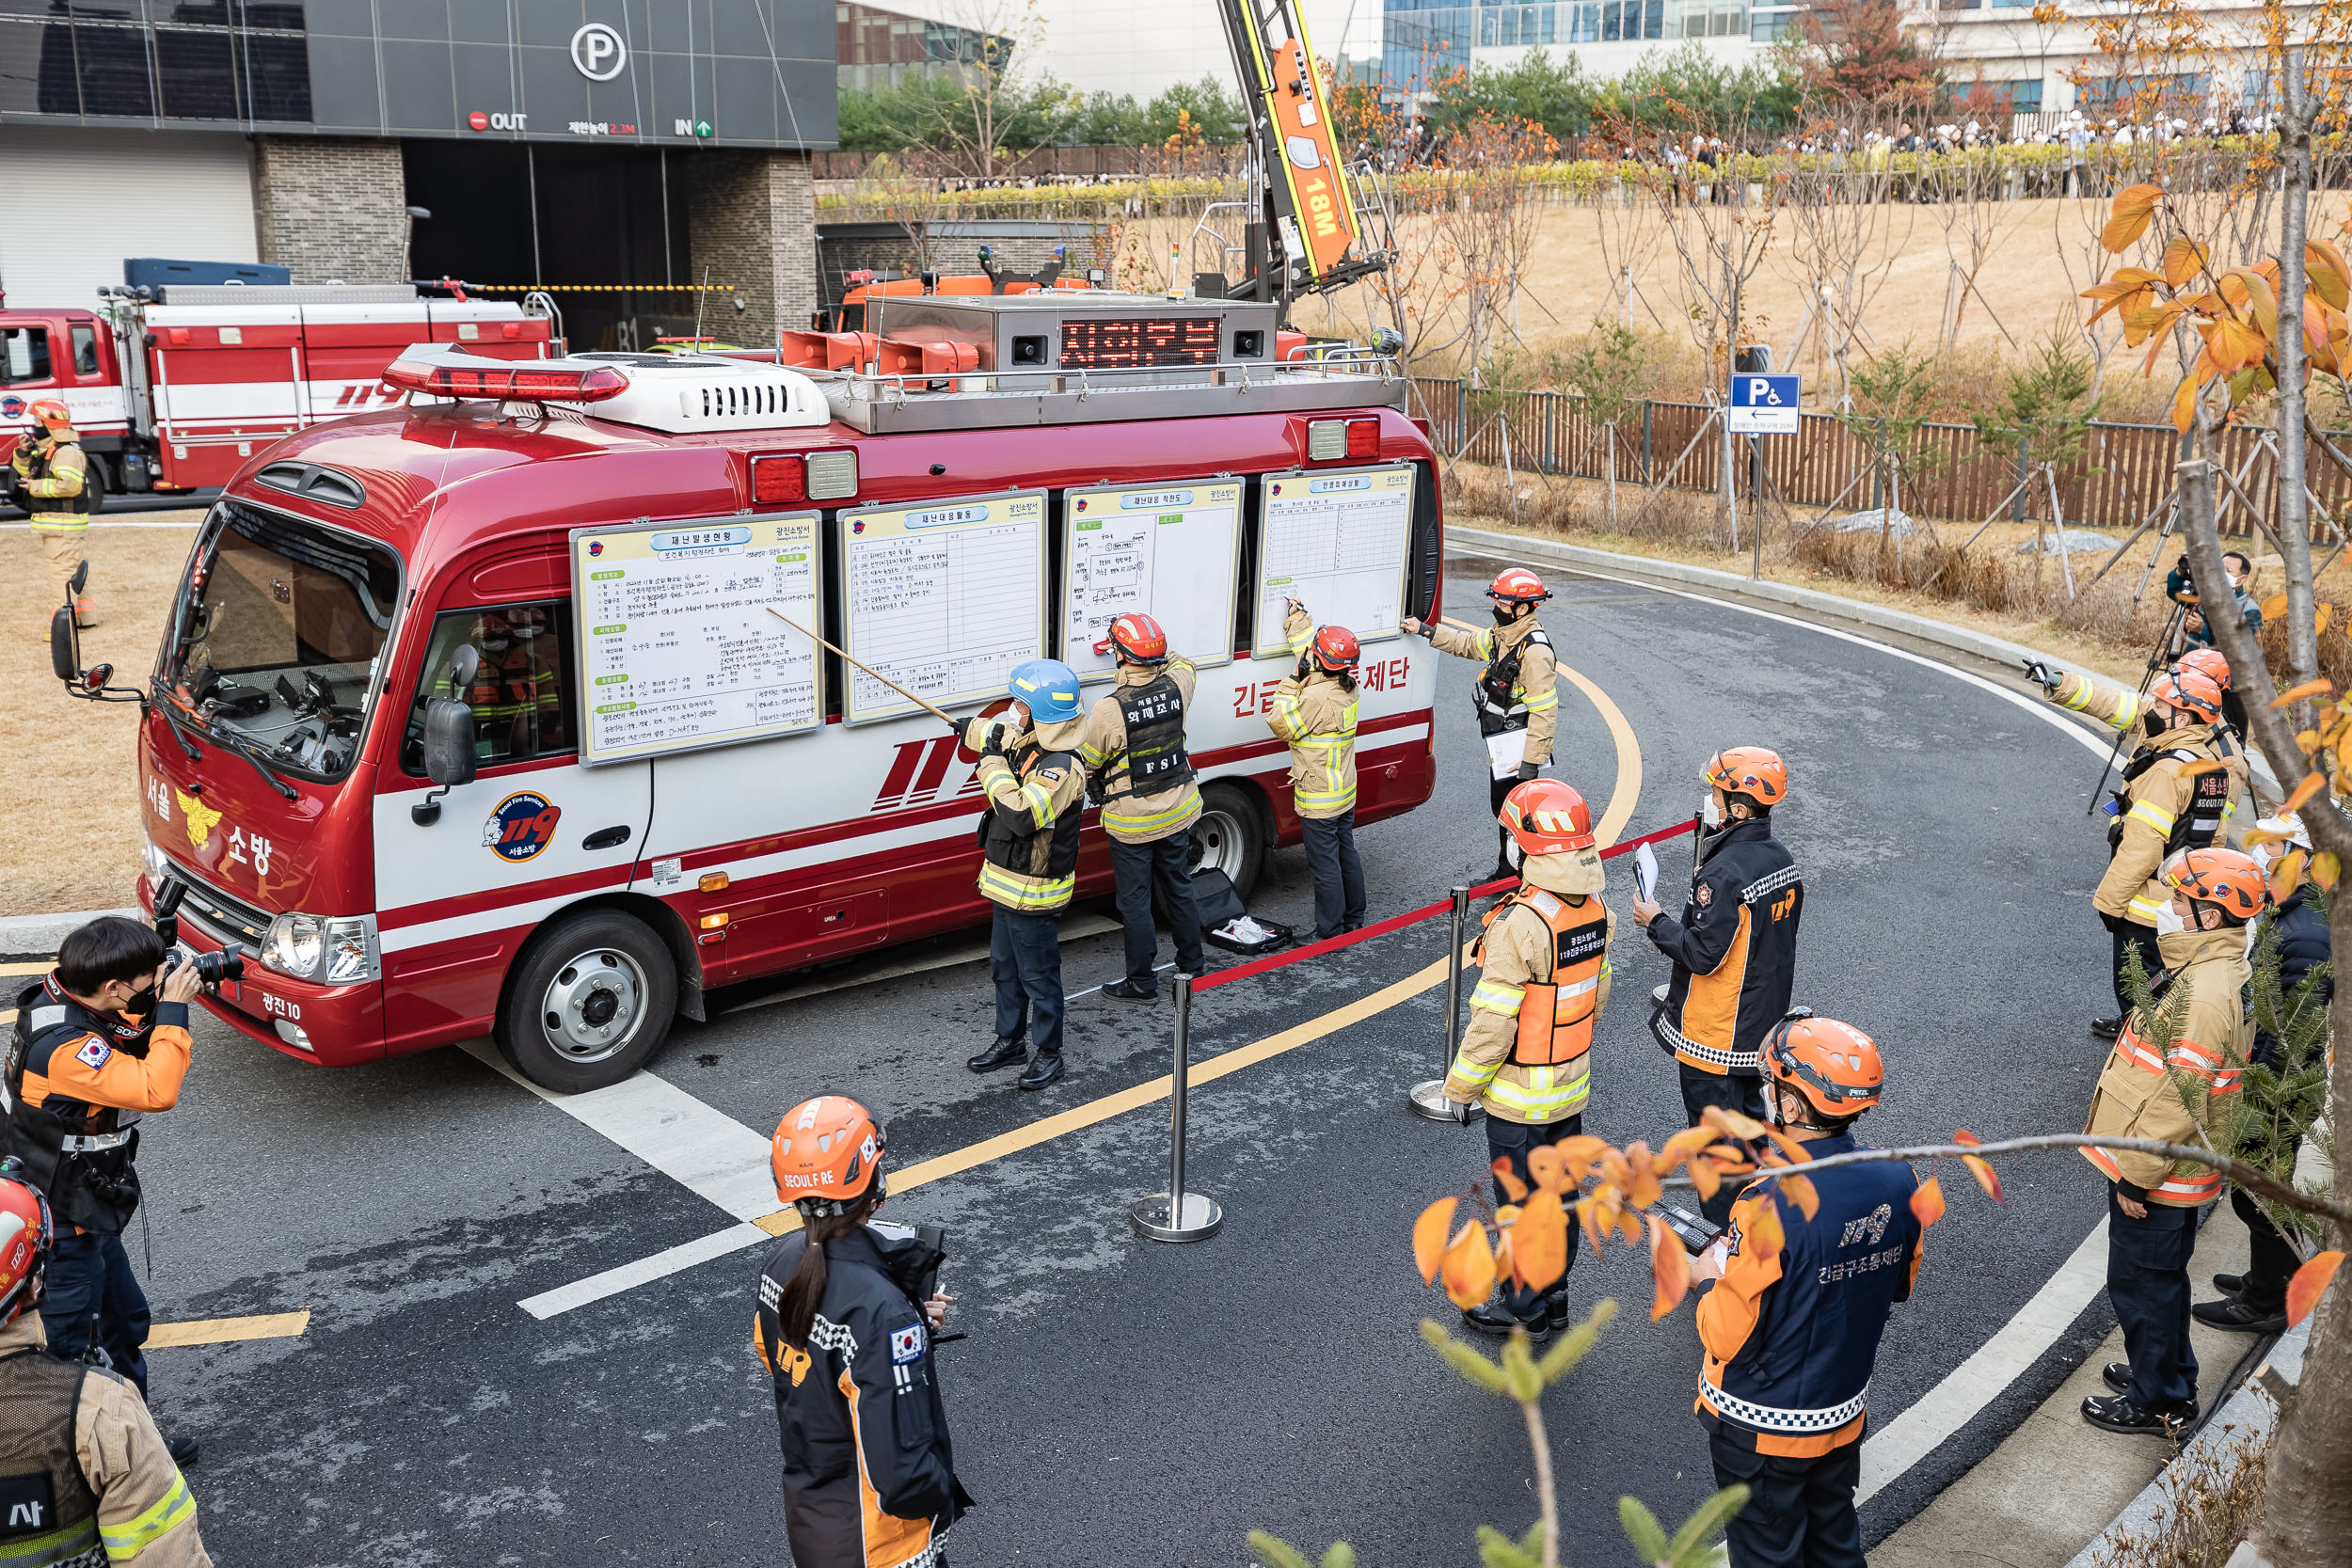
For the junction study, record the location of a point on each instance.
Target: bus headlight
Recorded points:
(333, 951)
(158, 863)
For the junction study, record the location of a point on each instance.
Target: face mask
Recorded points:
(140, 1002)
(1504, 615)
(2154, 723)
(1710, 816)
(2167, 922)
(1771, 1109)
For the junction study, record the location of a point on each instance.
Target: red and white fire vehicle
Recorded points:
(176, 393)
(298, 783)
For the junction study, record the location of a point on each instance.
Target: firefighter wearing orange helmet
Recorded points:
(847, 1307)
(1543, 981)
(1791, 1337)
(87, 1478)
(54, 472)
(1314, 709)
(1518, 693)
(1139, 773)
(1735, 948)
(2172, 1076)
(2178, 792)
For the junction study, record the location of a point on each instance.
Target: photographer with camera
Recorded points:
(100, 1042)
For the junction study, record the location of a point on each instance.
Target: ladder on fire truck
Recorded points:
(1315, 221)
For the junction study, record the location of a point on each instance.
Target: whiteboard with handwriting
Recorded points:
(1164, 549)
(944, 599)
(1337, 542)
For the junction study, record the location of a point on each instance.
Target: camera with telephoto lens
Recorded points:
(211, 967)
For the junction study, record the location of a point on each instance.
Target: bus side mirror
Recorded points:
(448, 755)
(65, 654)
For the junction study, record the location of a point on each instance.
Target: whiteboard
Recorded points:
(944, 599)
(1166, 550)
(1337, 541)
(677, 648)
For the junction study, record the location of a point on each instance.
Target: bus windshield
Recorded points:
(274, 643)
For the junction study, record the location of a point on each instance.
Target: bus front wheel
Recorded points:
(590, 1005)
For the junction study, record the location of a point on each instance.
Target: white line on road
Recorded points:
(644, 1271)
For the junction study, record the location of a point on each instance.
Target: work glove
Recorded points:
(1527, 771)
(985, 736)
(1462, 1113)
(2038, 672)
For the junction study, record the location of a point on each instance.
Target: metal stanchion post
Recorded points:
(1177, 1215)
(1428, 1099)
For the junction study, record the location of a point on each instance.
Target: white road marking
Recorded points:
(644, 1271)
(1952, 1403)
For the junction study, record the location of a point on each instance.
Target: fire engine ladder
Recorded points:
(1276, 262)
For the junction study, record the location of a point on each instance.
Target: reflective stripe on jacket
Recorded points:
(1535, 688)
(1521, 950)
(1137, 818)
(1318, 718)
(1035, 796)
(1734, 950)
(59, 479)
(2160, 786)
(2142, 1094)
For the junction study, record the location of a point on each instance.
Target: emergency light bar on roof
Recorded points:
(674, 392)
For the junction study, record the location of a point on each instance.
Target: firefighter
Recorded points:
(1791, 1337)
(870, 1475)
(1036, 791)
(2118, 708)
(2175, 1093)
(1314, 709)
(56, 475)
(1543, 981)
(505, 707)
(99, 1043)
(1517, 695)
(2178, 792)
(1735, 948)
(2255, 1302)
(1134, 752)
(85, 1474)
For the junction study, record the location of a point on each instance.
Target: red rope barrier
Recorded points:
(1398, 922)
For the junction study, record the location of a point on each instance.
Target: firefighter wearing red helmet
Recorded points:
(1735, 948)
(2172, 1076)
(84, 1473)
(1791, 1337)
(2178, 792)
(846, 1312)
(54, 473)
(1314, 709)
(1543, 981)
(1518, 693)
(1139, 773)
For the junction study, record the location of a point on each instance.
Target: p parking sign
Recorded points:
(1763, 405)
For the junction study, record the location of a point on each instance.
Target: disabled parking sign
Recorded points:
(1763, 405)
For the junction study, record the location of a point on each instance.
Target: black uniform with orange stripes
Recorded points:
(870, 1476)
(1791, 1339)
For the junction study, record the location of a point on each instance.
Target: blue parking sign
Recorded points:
(1764, 405)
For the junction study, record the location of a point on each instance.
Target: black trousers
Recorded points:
(1025, 961)
(2274, 1257)
(1339, 875)
(2148, 1282)
(1138, 867)
(2127, 935)
(1497, 791)
(1512, 1140)
(1800, 1512)
(1743, 1095)
(91, 1297)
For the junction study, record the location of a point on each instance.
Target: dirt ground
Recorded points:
(68, 766)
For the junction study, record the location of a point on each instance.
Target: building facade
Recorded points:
(617, 151)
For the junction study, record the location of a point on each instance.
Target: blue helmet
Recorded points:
(1048, 688)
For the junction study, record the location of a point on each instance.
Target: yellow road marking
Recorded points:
(1623, 797)
(225, 1331)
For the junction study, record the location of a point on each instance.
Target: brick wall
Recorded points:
(753, 224)
(332, 208)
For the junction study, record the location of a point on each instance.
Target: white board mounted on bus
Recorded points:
(944, 598)
(1168, 550)
(1337, 540)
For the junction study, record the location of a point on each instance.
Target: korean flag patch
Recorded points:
(906, 1344)
(93, 1054)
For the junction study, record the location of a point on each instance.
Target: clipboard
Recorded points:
(1645, 873)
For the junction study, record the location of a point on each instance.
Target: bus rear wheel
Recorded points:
(591, 1003)
(1230, 836)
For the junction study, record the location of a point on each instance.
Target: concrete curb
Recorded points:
(36, 936)
(1993, 650)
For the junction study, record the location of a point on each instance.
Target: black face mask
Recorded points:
(1505, 614)
(2154, 723)
(142, 1002)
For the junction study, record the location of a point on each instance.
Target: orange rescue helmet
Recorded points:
(1518, 585)
(2207, 662)
(1749, 770)
(1544, 817)
(1336, 648)
(2190, 690)
(1138, 638)
(1833, 1066)
(2226, 878)
(51, 416)
(827, 1154)
(26, 1234)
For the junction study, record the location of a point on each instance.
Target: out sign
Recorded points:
(1763, 405)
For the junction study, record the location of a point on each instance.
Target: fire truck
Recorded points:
(173, 388)
(362, 754)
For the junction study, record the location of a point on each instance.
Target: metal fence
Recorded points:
(2125, 474)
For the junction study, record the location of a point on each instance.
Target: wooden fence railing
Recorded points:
(2124, 476)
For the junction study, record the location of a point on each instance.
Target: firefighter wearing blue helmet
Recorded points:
(1036, 789)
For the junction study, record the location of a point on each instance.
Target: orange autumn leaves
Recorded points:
(2329, 744)
(2235, 312)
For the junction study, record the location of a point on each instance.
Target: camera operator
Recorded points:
(100, 1042)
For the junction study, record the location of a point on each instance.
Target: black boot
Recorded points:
(2117, 1376)
(1127, 991)
(2234, 1314)
(1043, 1068)
(2117, 1413)
(183, 1451)
(2107, 1028)
(1496, 1319)
(1005, 1052)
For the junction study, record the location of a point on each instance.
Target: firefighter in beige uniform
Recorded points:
(1139, 773)
(56, 475)
(1543, 981)
(1517, 694)
(1314, 709)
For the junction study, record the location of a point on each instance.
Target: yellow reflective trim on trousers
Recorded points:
(1014, 890)
(1499, 996)
(56, 1546)
(126, 1541)
(2150, 815)
(1156, 819)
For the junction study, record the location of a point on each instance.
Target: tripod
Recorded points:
(2159, 657)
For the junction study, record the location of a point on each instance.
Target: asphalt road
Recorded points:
(1119, 1400)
